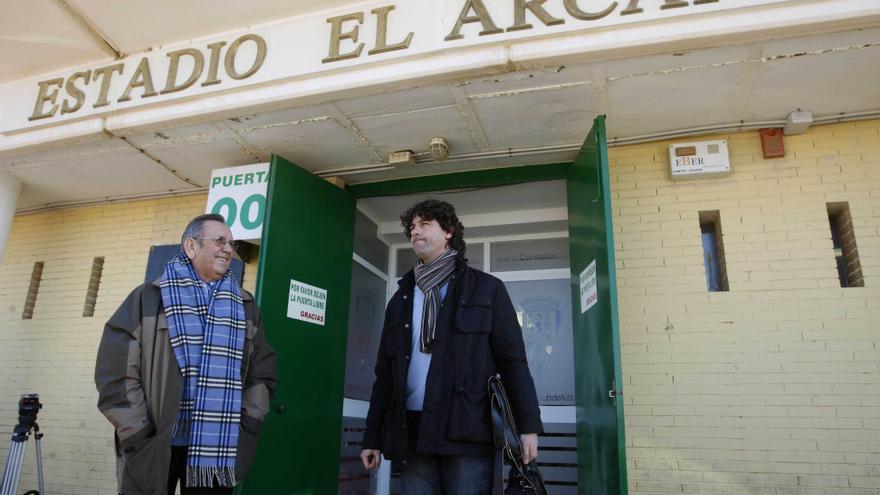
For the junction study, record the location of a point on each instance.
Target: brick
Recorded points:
(769, 388)
(80, 455)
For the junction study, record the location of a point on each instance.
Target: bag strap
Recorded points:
(503, 425)
(507, 442)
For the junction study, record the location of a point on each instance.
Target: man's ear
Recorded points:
(189, 247)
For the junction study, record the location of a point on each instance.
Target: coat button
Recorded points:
(406, 325)
(405, 296)
(407, 357)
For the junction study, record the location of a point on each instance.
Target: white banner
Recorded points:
(589, 292)
(307, 303)
(239, 194)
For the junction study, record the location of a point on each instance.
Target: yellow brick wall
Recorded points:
(771, 388)
(774, 386)
(54, 353)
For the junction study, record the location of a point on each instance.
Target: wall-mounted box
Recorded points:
(699, 160)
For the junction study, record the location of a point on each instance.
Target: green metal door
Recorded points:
(598, 386)
(307, 237)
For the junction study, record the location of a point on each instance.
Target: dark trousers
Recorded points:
(177, 472)
(426, 474)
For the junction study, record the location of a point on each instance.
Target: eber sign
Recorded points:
(239, 194)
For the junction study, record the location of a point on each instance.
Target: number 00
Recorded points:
(247, 206)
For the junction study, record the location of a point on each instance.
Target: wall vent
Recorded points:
(846, 252)
(33, 288)
(94, 283)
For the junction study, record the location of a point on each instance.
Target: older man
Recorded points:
(184, 372)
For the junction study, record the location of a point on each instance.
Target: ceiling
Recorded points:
(47, 36)
(535, 116)
(484, 202)
(519, 209)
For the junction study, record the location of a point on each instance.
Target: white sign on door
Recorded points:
(239, 194)
(589, 294)
(307, 303)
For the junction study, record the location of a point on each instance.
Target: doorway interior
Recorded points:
(518, 233)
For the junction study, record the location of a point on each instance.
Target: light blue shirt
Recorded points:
(419, 361)
(208, 288)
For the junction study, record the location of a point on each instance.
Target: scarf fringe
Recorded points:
(205, 475)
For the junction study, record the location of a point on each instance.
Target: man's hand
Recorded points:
(529, 447)
(372, 458)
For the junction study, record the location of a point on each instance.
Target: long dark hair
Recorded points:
(444, 214)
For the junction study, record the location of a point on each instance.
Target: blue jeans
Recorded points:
(426, 474)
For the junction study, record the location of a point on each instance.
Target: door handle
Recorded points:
(613, 393)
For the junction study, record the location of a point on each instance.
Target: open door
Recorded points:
(598, 386)
(305, 260)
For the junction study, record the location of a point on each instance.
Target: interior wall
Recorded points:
(774, 386)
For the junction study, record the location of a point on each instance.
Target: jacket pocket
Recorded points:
(140, 466)
(474, 316)
(469, 417)
(248, 351)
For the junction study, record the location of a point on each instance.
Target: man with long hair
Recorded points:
(448, 329)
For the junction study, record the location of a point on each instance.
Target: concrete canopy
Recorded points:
(498, 103)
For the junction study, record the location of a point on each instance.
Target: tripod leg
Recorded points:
(39, 452)
(13, 467)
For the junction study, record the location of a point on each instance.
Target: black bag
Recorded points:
(523, 479)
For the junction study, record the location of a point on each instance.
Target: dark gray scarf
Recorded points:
(430, 277)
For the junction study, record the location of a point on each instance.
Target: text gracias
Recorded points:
(68, 95)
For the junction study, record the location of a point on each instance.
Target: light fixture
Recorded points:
(797, 122)
(439, 149)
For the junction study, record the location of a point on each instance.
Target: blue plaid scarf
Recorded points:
(207, 336)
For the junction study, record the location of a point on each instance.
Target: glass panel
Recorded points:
(543, 308)
(474, 254)
(366, 310)
(538, 254)
(367, 244)
(710, 257)
(406, 258)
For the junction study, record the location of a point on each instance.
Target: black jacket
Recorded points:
(477, 336)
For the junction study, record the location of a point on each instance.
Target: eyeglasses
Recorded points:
(220, 242)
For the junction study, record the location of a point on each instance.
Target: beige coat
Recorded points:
(140, 385)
